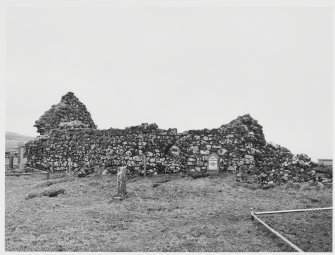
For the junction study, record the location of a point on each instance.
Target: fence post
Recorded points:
(70, 166)
(121, 182)
(11, 162)
(145, 164)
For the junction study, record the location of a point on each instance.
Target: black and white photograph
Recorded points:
(167, 126)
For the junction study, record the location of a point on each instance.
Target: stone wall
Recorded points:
(69, 109)
(240, 145)
(89, 148)
(240, 150)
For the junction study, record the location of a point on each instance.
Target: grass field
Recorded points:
(313, 236)
(178, 214)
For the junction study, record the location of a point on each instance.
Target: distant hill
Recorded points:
(12, 140)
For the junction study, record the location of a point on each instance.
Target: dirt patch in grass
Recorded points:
(182, 214)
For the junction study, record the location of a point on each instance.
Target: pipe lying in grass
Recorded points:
(253, 216)
(276, 233)
(295, 210)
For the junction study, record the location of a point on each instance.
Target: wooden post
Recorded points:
(121, 182)
(11, 162)
(70, 166)
(18, 156)
(145, 164)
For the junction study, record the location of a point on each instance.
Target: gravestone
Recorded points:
(213, 164)
(21, 153)
(121, 182)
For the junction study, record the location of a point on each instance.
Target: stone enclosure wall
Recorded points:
(240, 144)
(87, 149)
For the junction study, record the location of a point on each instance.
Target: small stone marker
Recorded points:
(213, 164)
(121, 182)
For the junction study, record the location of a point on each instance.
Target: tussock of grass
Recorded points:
(182, 214)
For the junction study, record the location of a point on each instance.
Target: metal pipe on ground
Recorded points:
(253, 216)
(295, 210)
(276, 233)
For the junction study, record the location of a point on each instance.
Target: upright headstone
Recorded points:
(121, 182)
(21, 152)
(213, 164)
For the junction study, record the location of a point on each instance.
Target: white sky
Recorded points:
(180, 67)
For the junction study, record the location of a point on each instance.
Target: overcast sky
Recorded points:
(180, 67)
